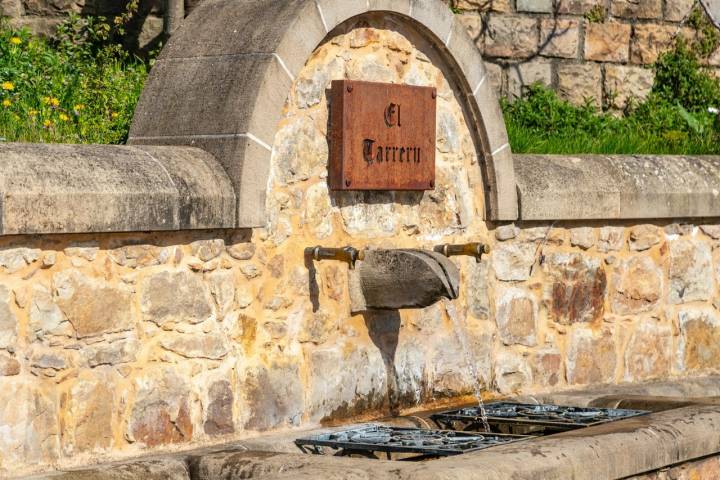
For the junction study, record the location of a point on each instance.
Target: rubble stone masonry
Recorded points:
(113, 344)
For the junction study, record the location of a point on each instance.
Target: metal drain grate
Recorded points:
(400, 443)
(531, 419)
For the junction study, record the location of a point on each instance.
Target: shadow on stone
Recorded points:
(384, 331)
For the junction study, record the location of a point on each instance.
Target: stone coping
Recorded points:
(103, 188)
(617, 187)
(615, 450)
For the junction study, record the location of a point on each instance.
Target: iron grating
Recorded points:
(411, 443)
(530, 418)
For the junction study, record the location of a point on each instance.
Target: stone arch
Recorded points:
(222, 81)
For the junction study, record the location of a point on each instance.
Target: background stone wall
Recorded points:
(115, 344)
(597, 50)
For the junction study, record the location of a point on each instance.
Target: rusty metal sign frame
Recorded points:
(382, 136)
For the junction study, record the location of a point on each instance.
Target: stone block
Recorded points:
(219, 409)
(625, 84)
(432, 14)
(633, 9)
(644, 237)
(113, 353)
(300, 152)
(206, 250)
(512, 372)
(580, 83)
(161, 412)
(583, 237)
(506, 232)
(500, 6)
(700, 340)
(607, 42)
(15, 259)
(88, 412)
(93, 306)
(512, 261)
(577, 7)
(690, 271)
(11, 8)
(534, 6)
(464, 50)
(347, 379)
(575, 288)
(161, 189)
(449, 373)
(605, 187)
(473, 24)
(649, 40)
(559, 37)
(174, 297)
(637, 286)
(678, 10)
(210, 346)
(510, 36)
(29, 422)
(611, 239)
(495, 76)
(547, 368)
(648, 352)
(317, 212)
(273, 395)
(522, 75)
(8, 320)
(591, 358)
(477, 290)
(517, 317)
(139, 256)
(9, 367)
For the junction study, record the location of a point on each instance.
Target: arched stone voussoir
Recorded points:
(222, 81)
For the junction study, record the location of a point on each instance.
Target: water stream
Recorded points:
(461, 333)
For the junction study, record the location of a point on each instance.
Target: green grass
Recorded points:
(79, 88)
(674, 119)
(82, 87)
(542, 123)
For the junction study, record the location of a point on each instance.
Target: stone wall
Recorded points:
(597, 50)
(115, 344)
(43, 16)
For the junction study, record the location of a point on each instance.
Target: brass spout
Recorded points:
(345, 254)
(475, 249)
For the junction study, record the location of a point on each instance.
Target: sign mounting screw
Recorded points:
(349, 88)
(434, 93)
(348, 182)
(432, 183)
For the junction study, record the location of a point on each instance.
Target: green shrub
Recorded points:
(81, 87)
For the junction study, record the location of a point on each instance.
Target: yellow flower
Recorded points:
(7, 86)
(33, 113)
(78, 107)
(52, 101)
(15, 40)
(6, 103)
(64, 117)
(47, 124)
(114, 114)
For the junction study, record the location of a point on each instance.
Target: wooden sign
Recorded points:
(382, 136)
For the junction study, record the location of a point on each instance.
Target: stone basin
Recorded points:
(680, 437)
